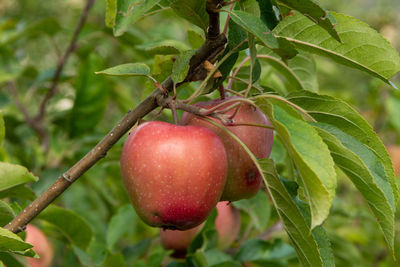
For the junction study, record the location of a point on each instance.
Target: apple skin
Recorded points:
(227, 224)
(394, 152)
(41, 245)
(243, 180)
(178, 240)
(174, 174)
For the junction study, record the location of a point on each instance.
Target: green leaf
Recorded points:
(215, 256)
(111, 11)
(73, 226)
(392, 105)
(195, 39)
(305, 68)
(310, 155)
(192, 10)
(10, 260)
(49, 26)
(12, 175)
(129, 69)
(113, 260)
(181, 66)
(255, 26)
(259, 209)
(361, 48)
(358, 151)
(164, 47)
(11, 242)
(128, 12)
(295, 224)
(6, 213)
(118, 225)
(91, 98)
(19, 191)
(267, 14)
(257, 250)
(315, 13)
(2, 128)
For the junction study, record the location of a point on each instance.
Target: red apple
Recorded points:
(227, 225)
(41, 246)
(174, 174)
(243, 180)
(178, 240)
(394, 152)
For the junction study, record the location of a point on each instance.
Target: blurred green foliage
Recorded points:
(33, 36)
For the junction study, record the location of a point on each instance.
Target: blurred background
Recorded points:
(33, 37)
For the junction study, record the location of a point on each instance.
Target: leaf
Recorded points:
(113, 260)
(295, 224)
(91, 98)
(255, 26)
(164, 47)
(11, 242)
(6, 213)
(19, 191)
(257, 250)
(118, 225)
(9, 260)
(305, 68)
(259, 209)
(111, 12)
(181, 66)
(315, 13)
(361, 48)
(129, 69)
(192, 10)
(128, 12)
(2, 128)
(392, 107)
(12, 175)
(357, 150)
(310, 155)
(335, 112)
(73, 226)
(195, 39)
(267, 14)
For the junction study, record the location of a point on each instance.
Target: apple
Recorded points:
(394, 152)
(227, 225)
(178, 240)
(243, 180)
(41, 245)
(174, 174)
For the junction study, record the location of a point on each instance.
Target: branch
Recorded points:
(34, 124)
(63, 60)
(100, 150)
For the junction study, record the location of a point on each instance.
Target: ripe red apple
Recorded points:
(394, 152)
(174, 174)
(41, 246)
(243, 180)
(227, 225)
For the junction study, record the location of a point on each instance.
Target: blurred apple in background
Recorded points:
(227, 225)
(41, 245)
(394, 152)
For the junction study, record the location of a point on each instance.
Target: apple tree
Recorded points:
(253, 113)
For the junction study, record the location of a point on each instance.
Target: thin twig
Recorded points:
(63, 60)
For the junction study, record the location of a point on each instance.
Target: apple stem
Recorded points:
(221, 90)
